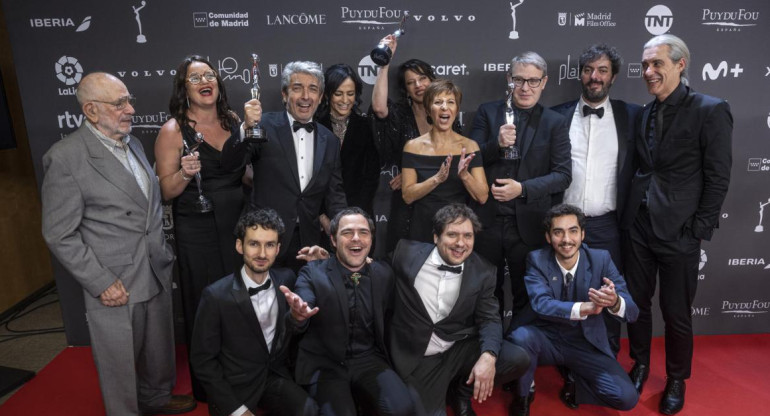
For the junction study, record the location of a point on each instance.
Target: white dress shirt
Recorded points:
(265, 306)
(439, 290)
(303, 147)
(594, 160)
(575, 313)
(125, 156)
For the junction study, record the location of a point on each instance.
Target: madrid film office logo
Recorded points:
(711, 73)
(658, 20)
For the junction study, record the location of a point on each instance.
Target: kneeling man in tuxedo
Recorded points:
(239, 348)
(446, 337)
(570, 287)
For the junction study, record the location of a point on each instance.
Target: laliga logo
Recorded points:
(658, 20)
(68, 70)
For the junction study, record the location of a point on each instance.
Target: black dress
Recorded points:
(206, 242)
(447, 192)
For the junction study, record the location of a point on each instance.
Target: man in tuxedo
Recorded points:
(602, 136)
(684, 154)
(570, 287)
(297, 171)
(102, 219)
(446, 335)
(240, 343)
(522, 189)
(341, 304)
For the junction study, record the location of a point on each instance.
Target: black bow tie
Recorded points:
(587, 111)
(254, 290)
(453, 269)
(307, 126)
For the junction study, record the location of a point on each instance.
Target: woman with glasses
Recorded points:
(442, 166)
(201, 121)
(395, 124)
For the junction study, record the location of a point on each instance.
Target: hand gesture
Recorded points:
(465, 162)
(604, 296)
(395, 183)
(115, 295)
(300, 311)
(505, 189)
(483, 377)
(507, 135)
(309, 254)
(391, 42)
(252, 112)
(443, 172)
(190, 164)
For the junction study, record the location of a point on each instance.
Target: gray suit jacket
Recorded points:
(98, 223)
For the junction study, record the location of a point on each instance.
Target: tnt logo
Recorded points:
(658, 20)
(635, 70)
(580, 19)
(368, 70)
(200, 19)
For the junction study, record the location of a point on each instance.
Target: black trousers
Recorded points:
(441, 374)
(370, 382)
(283, 397)
(676, 264)
(603, 232)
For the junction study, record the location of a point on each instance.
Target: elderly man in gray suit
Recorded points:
(102, 220)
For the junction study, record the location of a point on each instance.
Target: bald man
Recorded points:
(102, 220)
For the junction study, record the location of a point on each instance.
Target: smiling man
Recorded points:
(297, 171)
(684, 154)
(446, 335)
(570, 287)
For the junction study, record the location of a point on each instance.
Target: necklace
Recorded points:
(339, 127)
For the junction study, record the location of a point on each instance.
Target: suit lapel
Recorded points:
(417, 262)
(621, 126)
(286, 140)
(243, 301)
(282, 309)
(111, 169)
(333, 273)
(582, 277)
(531, 130)
(319, 150)
(571, 112)
(642, 145)
(556, 279)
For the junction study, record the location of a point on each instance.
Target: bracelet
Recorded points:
(185, 178)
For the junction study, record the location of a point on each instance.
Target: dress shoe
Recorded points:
(567, 393)
(175, 406)
(461, 407)
(512, 386)
(519, 406)
(673, 397)
(638, 375)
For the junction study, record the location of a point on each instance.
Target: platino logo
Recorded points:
(568, 71)
(57, 22)
(729, 21)
(68, 70)
(720, 71)
(513, 34)
(762, 204)
(658, 19)
(635, 70)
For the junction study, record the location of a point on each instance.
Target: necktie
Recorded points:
(453, 269)
(587, 111)
(298, 125)
(254, 290)
(565, 287)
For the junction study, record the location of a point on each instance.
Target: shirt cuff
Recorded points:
(575, 314)
(242, 131)
(239, 411)
(622, 310)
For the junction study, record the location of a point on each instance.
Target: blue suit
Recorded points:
(582, 346)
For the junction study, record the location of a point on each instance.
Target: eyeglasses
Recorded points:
(196, 79)
(121, 102)
(532, 82)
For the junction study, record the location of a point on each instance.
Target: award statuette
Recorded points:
(510, 152)
(255, 133)
(204, 203)
(381, 54)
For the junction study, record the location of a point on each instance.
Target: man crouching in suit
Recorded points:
(570, 286)
(342, 354)
(239, 347)
(446, 336)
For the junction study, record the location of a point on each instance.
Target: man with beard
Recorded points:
(240, 343)
(341, 305)
(446, 336)
(570, 287)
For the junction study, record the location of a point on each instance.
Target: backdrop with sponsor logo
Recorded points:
(142, 41)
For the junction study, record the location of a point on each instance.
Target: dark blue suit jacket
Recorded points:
(626, 118)
(545, 169)
(544, 281)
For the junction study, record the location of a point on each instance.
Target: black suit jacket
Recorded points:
(476, 313)
(360, 162)
(228, 350)
(687, 180)
(276, 177)
(545, 169)
(626, 117)
(324, 344)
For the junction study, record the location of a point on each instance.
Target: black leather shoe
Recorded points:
(639, 374)
(512, 386)
(673, 397)
(175, 405)
(567, 393)
(459, 400)
(519, 407)
(532, 391)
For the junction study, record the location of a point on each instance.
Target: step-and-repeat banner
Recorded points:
(55, 43)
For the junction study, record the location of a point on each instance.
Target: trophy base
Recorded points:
(513, 35)
(255, 134)
(759, 229)
(203, 205)
(141, 39)
(381, 55)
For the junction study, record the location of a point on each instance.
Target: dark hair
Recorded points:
(415, 65)
(266, 218)
(598, 50)
(452, 213)
(438, 87)
(177, 105)
(334, 76)
(335, 223)
(562, 210)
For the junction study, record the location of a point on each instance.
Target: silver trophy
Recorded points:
(255, 133)
(381, 54)
(511, 152)
(203, 204)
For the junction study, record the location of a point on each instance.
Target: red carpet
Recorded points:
(730, 377)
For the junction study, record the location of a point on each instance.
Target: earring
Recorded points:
(188, 102)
